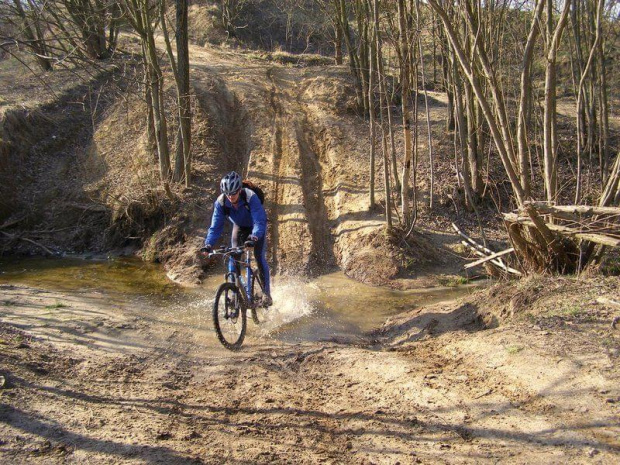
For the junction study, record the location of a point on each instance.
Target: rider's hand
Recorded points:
(206, 250)
(251, 242)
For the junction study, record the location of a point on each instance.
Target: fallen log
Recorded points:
(574, 209)
(565, 230)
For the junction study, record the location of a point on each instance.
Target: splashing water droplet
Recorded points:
(292, 299)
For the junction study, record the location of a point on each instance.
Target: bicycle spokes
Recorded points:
(229, 316)
(232, 306)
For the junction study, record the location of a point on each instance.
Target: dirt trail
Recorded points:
(292, 142)
(435, 388)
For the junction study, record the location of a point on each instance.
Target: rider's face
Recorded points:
(234, 197)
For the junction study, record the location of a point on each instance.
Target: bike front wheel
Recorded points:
(229, 316)
(258, 292)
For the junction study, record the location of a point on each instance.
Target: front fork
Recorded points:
(247, 285)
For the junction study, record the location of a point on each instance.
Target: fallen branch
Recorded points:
(497, 262)
(471, 241)
(25, 239)
(490, 257)
(482, 251)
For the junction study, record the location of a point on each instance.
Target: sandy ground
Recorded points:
(85, 383)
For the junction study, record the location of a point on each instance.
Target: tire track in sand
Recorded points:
(301, 237)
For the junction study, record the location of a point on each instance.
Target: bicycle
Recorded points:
(235, 296)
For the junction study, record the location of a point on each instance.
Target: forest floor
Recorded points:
(523, 372)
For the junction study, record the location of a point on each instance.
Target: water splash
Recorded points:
(293, 299)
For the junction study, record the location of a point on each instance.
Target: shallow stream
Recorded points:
(331, 307)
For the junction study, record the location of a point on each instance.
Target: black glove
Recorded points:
(249, 243)
(207, 249)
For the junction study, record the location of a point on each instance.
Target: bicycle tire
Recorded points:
(230, 329)
(256, 277)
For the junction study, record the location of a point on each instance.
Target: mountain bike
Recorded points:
(237, 295)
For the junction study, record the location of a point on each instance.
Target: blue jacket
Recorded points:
(250, 213)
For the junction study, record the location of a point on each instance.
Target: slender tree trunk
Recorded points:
(35, 42)
(157, 99)
(382, 106)
(493, 123)
(580, 91)
(473, 149)
(371, 113)
(525, 98)
(461, 126)
(549, 116)
(406, 95)
(604, 149)
(431, 157)
(361, 13)
(354, 65)
(338, 44)
(182, 169)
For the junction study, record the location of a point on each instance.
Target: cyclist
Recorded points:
(247, 214)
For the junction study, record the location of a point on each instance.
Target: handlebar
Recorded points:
(227, 250)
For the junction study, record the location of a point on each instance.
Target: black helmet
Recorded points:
(231, 183)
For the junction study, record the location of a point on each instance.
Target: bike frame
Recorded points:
(232, 268)
(237, 274)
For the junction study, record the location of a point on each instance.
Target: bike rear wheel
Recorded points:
(229, 316)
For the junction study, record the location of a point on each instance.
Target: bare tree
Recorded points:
(31, 24)
(144, 17)
(180, 70)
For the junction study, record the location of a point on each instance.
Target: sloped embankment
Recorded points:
(43, 135)
(302, 142)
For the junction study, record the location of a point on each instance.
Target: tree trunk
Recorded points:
(525, 100)
(549, 109)
(461, 126)
(405, 96)
(580, 91)
(182, 168)
(371, 115)
(503, 146)
(431, 157)
(383, 105)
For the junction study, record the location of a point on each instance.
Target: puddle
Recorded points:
(339, 308)
(331, 307)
